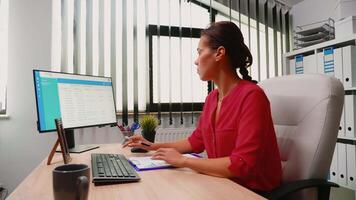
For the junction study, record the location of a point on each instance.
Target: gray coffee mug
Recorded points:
(71, 182)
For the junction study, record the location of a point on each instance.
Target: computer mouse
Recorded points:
(138, 150)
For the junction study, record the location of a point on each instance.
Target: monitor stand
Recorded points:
(69, 133)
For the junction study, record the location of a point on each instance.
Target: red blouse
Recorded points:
(245, 133)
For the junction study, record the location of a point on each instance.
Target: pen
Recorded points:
(135, 126)
(145, 144)
(120, 127)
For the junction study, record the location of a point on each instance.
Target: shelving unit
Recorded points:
(346, 138)
(350, 89)
(316, 59)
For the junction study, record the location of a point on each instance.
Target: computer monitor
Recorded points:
(79, 100)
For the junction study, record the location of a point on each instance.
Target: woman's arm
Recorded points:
(216, 166)
(172, 153)
(213, 166)
(182, 146)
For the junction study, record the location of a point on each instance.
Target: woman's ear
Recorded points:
(220, 53)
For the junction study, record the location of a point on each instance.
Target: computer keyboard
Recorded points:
(112, 168)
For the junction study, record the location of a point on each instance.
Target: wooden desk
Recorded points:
(179, 183)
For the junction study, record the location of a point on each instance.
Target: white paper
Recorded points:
(148, 163)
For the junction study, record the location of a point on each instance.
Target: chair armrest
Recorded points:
(285, 189)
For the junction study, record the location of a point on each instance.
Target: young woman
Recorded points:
(235, 127)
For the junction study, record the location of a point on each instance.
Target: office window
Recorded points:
(174, 33)
(4, 13)
(254, 71)
(267, 45)
(175, 83)
(148, 46)
(109, 38)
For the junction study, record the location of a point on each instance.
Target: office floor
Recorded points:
(342, 194)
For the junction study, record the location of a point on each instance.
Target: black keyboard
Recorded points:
(112, 168)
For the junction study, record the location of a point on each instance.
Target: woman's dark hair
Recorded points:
(228, 35)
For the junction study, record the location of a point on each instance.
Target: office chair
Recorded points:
(306, 111)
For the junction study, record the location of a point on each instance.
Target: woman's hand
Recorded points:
(171, 156)
(138, 141)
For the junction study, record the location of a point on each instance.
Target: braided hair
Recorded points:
(228, 35)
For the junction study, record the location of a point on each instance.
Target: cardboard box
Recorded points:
(345, 27)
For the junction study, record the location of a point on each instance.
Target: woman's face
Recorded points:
(206, 62)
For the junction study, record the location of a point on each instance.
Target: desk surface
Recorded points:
(179, 183)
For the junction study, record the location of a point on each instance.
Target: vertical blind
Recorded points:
(4, 13)
(148, 47)
(265, 27)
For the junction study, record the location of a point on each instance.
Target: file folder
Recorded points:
(320, 63)
(292, 66)
(309, 64)
(341, 163)
(350, 115)
(326, 61)
(333, 167)
(351, 165)
(303, 64)
(338, 64)
(143, 163)
(342, 125)
(329, 62)
(349, 66)
(299, 69)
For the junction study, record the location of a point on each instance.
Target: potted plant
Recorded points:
(148, 125)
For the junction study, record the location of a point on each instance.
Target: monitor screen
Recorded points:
(81, 101)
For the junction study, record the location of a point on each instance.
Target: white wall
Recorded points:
(21, 148)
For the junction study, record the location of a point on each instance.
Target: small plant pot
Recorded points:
(150, 136)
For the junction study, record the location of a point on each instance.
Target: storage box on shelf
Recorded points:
(345, 27)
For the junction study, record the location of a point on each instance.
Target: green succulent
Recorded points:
(148, 123)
